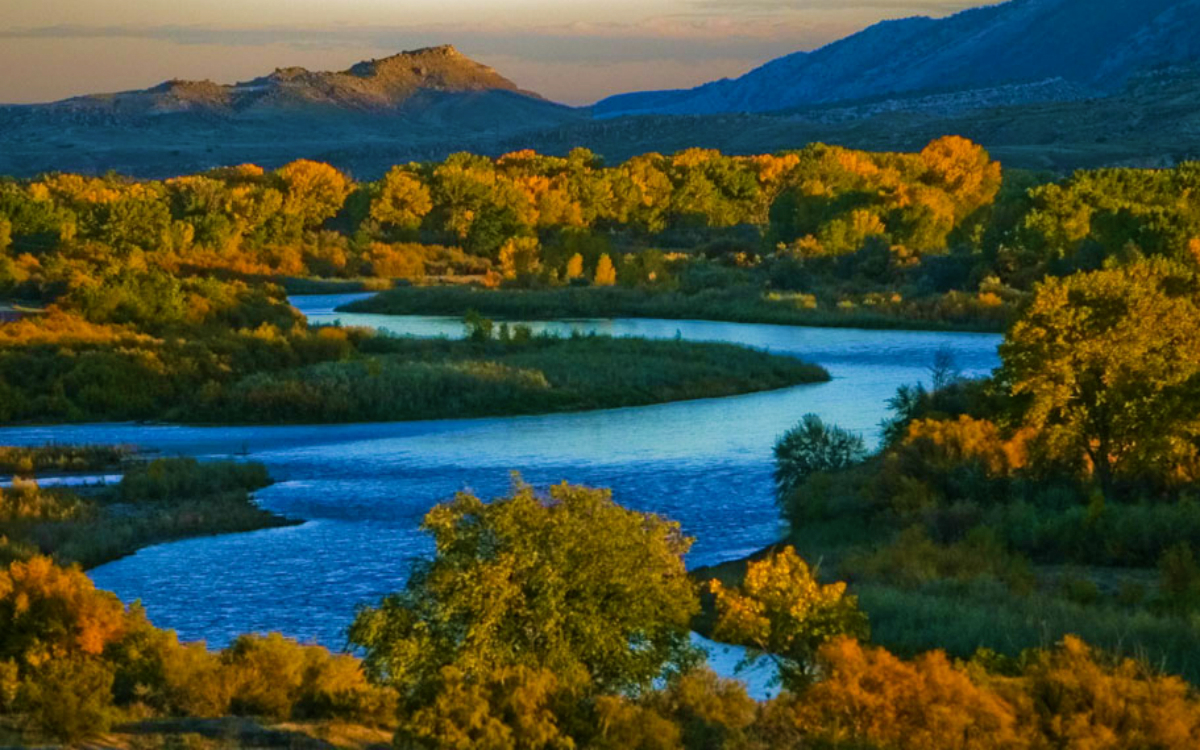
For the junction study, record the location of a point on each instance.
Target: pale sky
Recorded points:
(573, 51)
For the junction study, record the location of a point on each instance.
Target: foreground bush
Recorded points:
(73, 660)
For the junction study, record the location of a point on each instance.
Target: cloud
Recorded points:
(666, 38)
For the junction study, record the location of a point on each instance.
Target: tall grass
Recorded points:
(406, 379)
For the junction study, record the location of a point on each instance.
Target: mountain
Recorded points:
(1017, 52)
(401, 83)
(408, 106)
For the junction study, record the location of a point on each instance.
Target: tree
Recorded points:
(1109, 364)
(606, 274)
(403, 200)
(575, 267)
(782, 612)
(569, 582)
(313, 191)
(520, 257)
(810, 447)
(48, 612)
(69, 699)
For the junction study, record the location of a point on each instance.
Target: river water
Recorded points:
(362, 489)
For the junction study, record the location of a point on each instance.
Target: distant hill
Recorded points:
(407, 82)
(1016, 52)
(413, 103)
(1055, 84)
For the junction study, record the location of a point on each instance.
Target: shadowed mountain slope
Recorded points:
(1019, 51)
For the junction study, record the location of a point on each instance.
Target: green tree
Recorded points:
(1110, 366)
(569, 582)
(810, 447)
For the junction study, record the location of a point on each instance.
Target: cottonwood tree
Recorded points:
(1110, 364)
(569, 582)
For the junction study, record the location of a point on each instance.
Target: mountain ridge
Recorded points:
(382, 86)
(1095, 44)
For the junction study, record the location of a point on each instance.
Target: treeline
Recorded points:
(1057, 496)
(821, 216)
(142, 296)
(560, 620)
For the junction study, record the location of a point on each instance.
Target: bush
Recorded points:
(68, 699)
(811, 447)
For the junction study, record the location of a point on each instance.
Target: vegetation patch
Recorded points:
(499, 373)
(155, 501)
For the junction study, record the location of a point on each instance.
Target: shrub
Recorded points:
(68, 699)
(811, 447)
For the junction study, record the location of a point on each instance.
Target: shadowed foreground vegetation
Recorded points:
(560, 620)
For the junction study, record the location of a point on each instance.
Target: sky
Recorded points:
(572, 51)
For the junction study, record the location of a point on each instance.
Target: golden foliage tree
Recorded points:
(1109, 363)
(519, 257)
(48, 612)
(606, 273)
(313, 191)
(575, 267)
(867, 695)
(782, 612)
(403, 200)
(570, 583)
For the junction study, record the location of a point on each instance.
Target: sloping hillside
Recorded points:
(1071, 48)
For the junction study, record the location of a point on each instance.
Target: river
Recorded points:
(362, 489)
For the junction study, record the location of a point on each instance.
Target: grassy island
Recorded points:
(510, 373)
(734, 305)
(155, 501)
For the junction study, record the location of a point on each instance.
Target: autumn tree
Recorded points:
(313, 191)
(1081, 698)
(1109, 365)
(606, 273)
(403, 200)
(575, 267)
(48, 612)
(869, 698)
(520, 257)
(568, 582)
(781, 612)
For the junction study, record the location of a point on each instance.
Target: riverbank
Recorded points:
(159, 501)
(726, 305)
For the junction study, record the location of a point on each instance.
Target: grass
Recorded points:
(409, 379)
(737, 305)
(62, 458)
